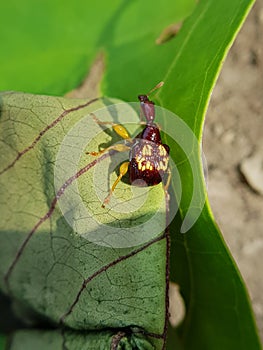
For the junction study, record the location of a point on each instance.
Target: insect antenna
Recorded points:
(158, 86)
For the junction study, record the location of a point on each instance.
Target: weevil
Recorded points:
(148, 157)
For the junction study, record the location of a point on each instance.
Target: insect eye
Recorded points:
(143, 98)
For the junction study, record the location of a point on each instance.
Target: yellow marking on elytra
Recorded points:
(165, 161)
(163, 164)
(162, 150)
(143, 168)
(148, 165)
(147, 150)
(138, 158)
(160, 165)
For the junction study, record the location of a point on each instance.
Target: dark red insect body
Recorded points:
(148, 158)
(148, 155)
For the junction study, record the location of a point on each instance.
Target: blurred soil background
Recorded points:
(233, 147)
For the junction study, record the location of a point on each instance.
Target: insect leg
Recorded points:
(118, 128)
(119, 147)
(166, 193)
(168, 180)
(123, 170)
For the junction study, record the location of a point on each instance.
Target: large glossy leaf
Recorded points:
(218, 310)
(219, 314)
(57, 260)
(48, 47)
(54, 340)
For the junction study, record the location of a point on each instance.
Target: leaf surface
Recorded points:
(82, 279)
(218, 308)
(70, 340)
(49, 47)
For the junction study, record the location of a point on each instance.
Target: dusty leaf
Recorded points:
(84, 274)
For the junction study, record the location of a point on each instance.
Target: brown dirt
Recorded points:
(234, 132)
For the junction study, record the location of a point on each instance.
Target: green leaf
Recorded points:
(91, 270)
(49, 47)
(3, 341)
(218, 311)
(57, 339)
(218, 308)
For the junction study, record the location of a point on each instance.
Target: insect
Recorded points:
(148, 156)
